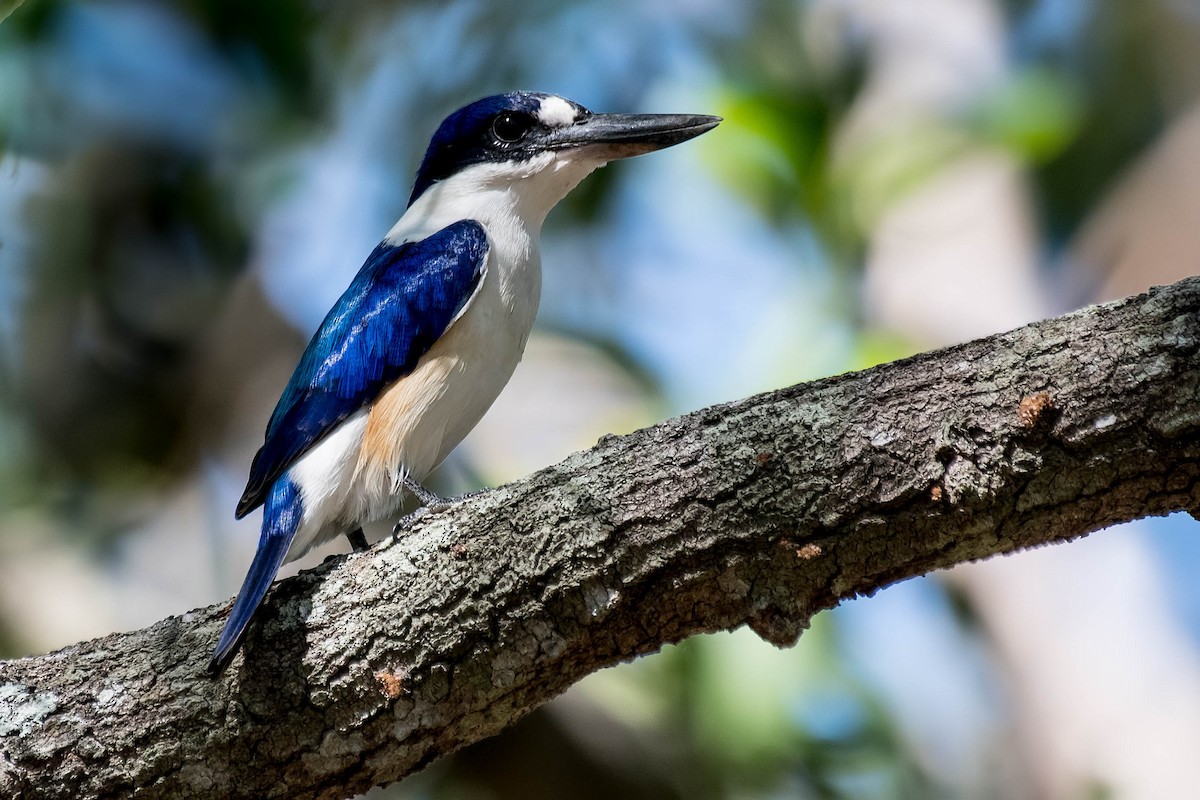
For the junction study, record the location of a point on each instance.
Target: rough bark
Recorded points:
(759, 512)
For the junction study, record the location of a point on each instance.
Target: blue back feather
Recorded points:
(400, 303)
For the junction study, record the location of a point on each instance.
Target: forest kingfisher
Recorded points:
(416, 350)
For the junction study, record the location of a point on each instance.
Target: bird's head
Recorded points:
(541, 144)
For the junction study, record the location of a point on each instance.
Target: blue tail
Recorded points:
(281, 518)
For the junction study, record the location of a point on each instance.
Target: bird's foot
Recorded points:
(430, 503)
(408, 520)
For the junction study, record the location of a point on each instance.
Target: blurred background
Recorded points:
(185, 189)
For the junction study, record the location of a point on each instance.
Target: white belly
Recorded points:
(354, 475)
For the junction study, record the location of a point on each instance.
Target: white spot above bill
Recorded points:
(556, 112)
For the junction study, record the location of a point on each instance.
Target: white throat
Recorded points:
(510, 200)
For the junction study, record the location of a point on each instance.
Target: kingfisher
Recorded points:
(430, 330)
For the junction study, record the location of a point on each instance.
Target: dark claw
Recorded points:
(408, 520)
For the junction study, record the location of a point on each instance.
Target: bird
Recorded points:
(429, 331)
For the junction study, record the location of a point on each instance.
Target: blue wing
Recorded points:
(400, 303)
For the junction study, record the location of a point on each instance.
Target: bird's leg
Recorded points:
(430, 501)
(433, 501)
(358, 541)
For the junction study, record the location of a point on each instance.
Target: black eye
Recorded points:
(510, 126)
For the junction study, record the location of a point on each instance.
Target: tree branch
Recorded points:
(760, 512)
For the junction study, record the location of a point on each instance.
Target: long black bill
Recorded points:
(624, 135)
